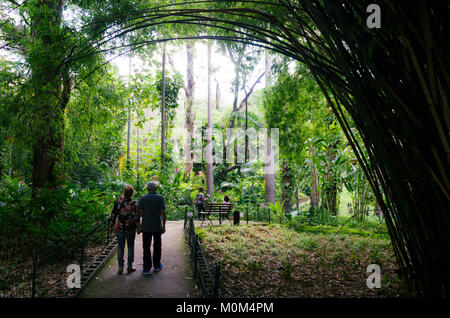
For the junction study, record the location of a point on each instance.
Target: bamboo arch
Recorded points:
(393, 82)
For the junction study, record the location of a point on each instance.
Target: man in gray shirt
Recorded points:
(152, 207)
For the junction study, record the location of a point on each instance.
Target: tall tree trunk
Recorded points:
(331, 183)
(129, 119)
(10, 158)
(51, 84)
(246, 136)
(236, 87)
(128, 138)
(189, 109)
(137, 157)
(209, 154)
(287, 188)
(269, 171)
(237, 72)
(163, 108)
(217, 94)
(314, 187)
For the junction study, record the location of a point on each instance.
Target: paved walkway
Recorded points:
(175, 280)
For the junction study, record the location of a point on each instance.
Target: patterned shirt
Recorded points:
(126, 211)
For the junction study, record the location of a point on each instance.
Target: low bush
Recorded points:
(55, 218)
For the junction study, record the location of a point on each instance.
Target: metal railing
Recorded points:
(40, 288)
(254, 212)
(208, 280)
(94, 229)
(248, 212)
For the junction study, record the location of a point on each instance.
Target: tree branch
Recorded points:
(247, 95)
(171, 63)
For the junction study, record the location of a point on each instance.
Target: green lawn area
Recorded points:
(344, 199)
(261, 260)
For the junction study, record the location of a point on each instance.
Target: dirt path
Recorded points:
(175, 280)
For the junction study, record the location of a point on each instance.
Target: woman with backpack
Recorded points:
(124, 221)
(199, 201)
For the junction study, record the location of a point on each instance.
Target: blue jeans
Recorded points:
(129, 238)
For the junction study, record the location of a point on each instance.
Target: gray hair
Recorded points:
(151, 186)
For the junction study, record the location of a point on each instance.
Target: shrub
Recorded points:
(55, 218)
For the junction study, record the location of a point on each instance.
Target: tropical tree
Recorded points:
(269, 173)
(95, 119)
(331, 160)
(382, 77)
(296, 106)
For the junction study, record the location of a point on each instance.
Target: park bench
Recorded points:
(222, 209)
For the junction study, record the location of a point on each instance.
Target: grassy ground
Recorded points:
(277, 261)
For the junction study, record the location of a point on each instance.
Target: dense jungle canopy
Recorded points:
(385, 88)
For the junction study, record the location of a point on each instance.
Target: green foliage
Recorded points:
(278, 211)
(57, 59)
(95, 119)
(311, 141)
(357, 184)
(172, 88)
(329, 224)
(56, 217)
(296, 106)
(331, 160)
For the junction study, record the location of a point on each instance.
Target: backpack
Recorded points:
(124, 208)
